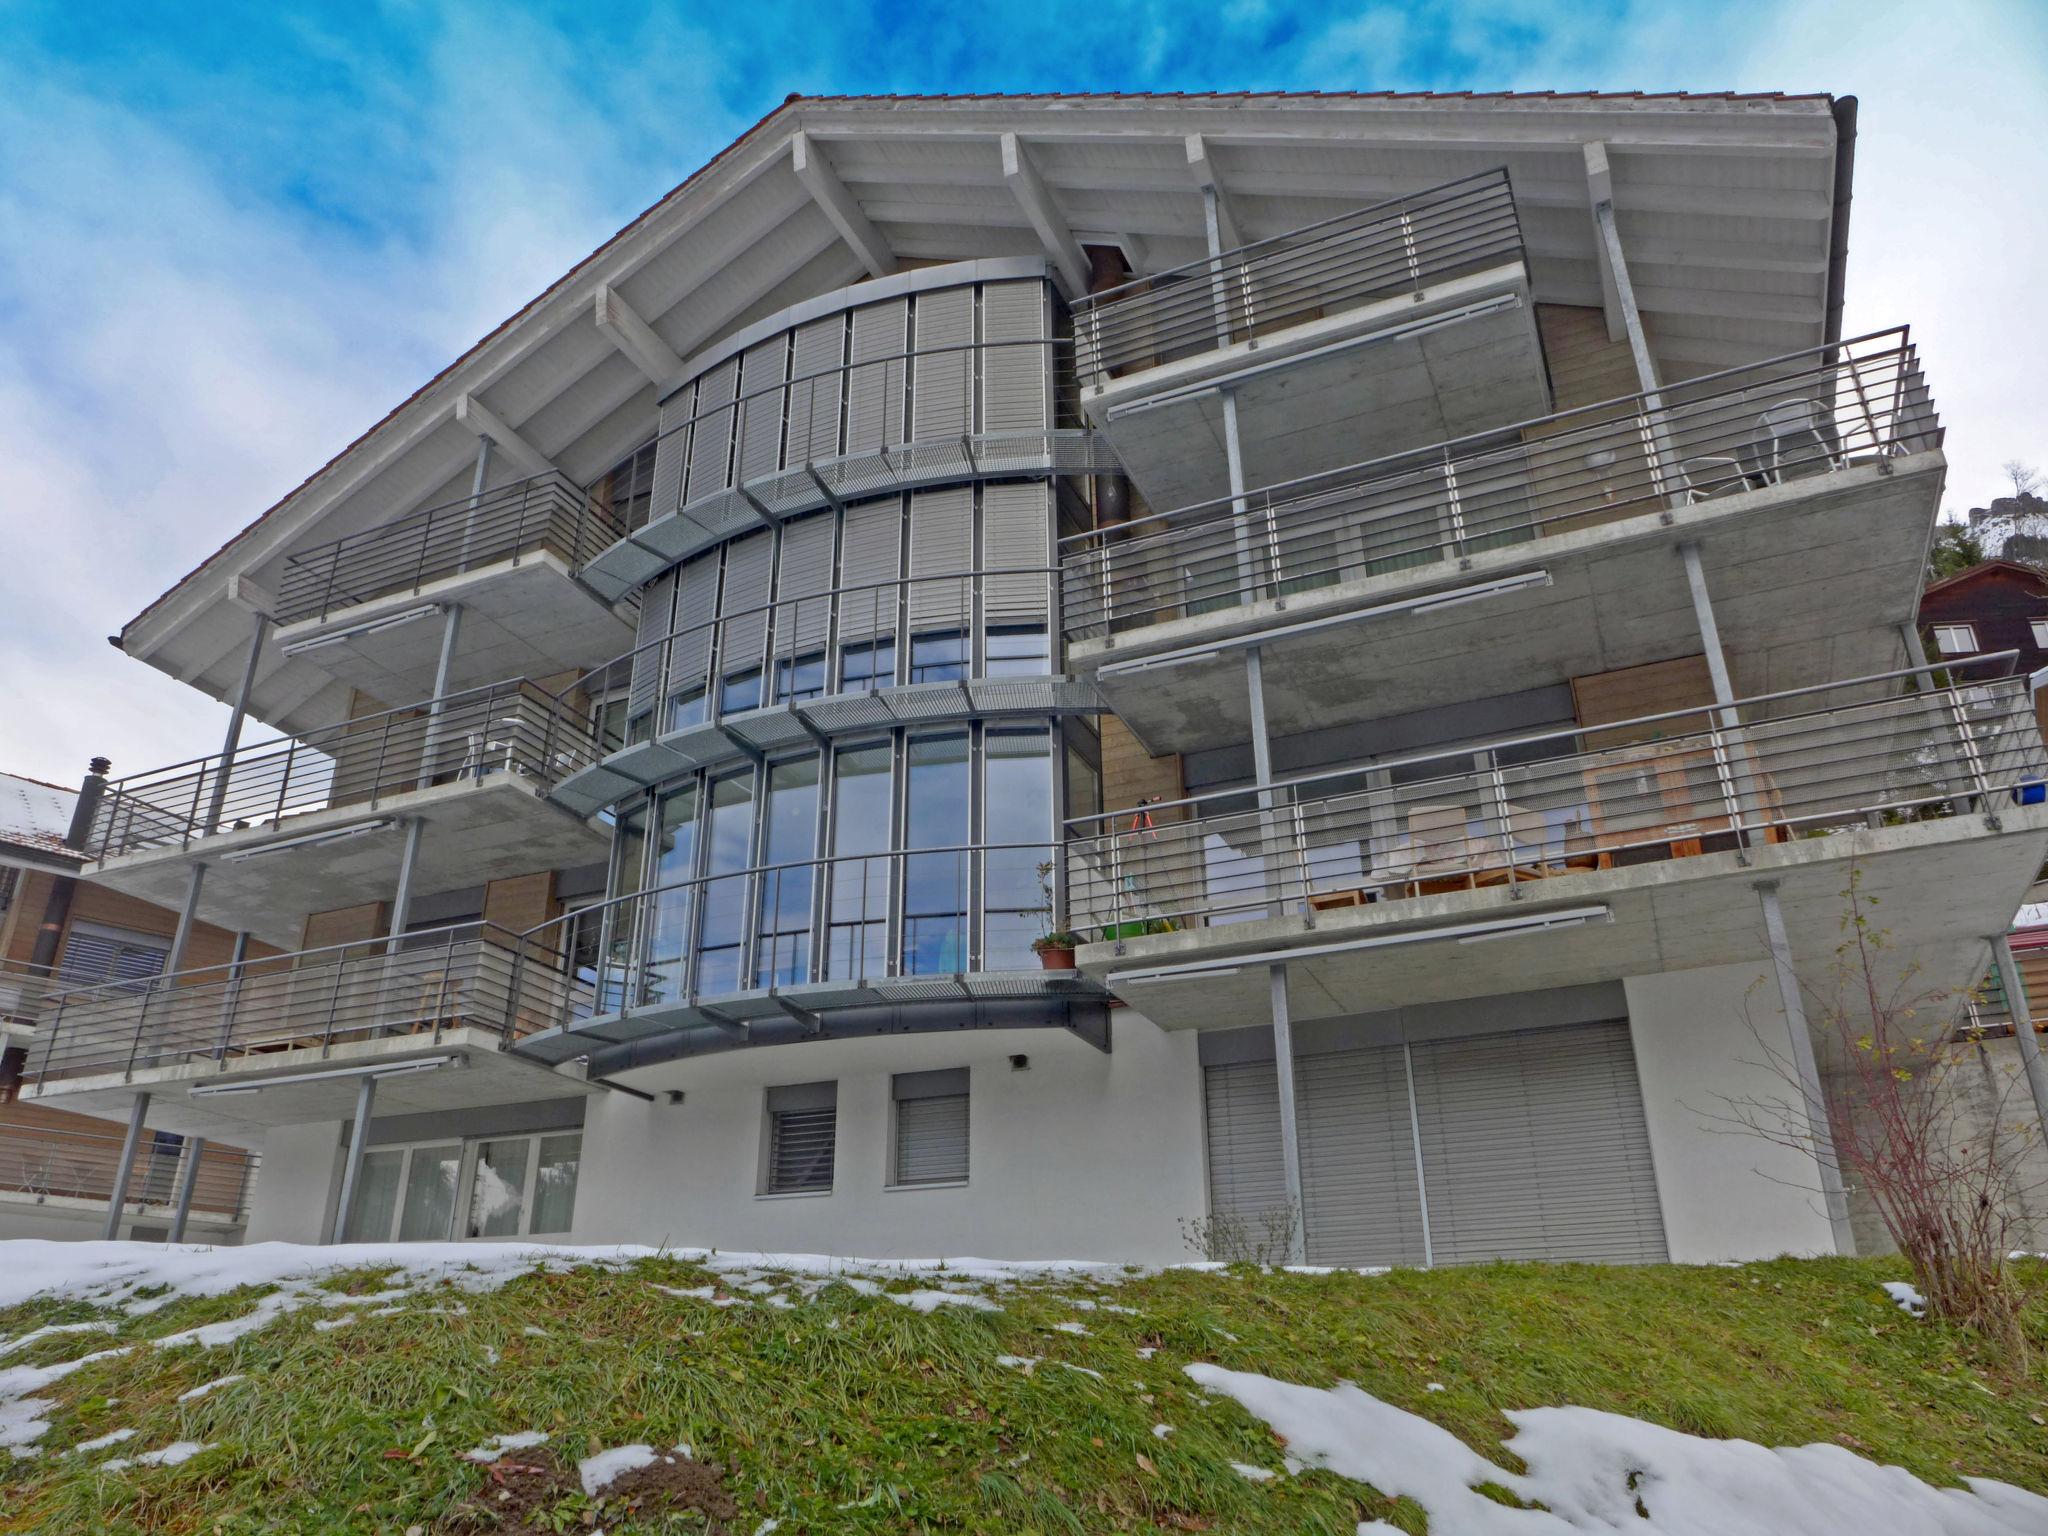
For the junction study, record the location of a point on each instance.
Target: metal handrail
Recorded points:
(513, 726)
(1807, 414)
(1803, 762)
(474, 975)
(1400, 246)
(61, 1163)
(834, 917)
(546, 512)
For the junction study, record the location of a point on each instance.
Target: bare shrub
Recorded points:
(1263, 1237)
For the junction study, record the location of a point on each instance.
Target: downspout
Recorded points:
(1844, 108)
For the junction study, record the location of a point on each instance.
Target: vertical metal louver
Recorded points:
(711, 438)
(931, 1126)
(869, 565)
(942, 388)
(657, 602)
(749, 566)
(803, 613)
(942, 545)
(1534, 1146)
(1016, 533)
(764, 368)
(817, 385)
(875, 377)
(1017, 393)
(803, 1127)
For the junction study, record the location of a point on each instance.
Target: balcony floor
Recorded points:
(1354, 386)
(1941, 888)
(476, 830)
(524, 618)
(488, 1076)
(1810, 581)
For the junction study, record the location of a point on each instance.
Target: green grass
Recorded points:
(850, 1413)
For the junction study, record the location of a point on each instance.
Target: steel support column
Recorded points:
(117, 1198)
(352, 1169)
(1710, 632)
(1806, 1069)
(2022, 1013)
(188, 1180)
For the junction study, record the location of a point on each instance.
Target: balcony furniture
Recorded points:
(1669, 797)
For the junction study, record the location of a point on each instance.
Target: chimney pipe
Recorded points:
(57, 910)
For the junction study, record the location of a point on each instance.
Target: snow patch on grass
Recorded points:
(204, 1388)
(1254, 1474)
(101, 1442)
(1907, 1296)
(931, 1301)
(498, 1445)
(51, 1331)
(600, 1471)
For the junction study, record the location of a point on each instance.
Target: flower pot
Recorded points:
(1056, 959)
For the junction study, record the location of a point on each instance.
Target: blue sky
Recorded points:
(231, 236)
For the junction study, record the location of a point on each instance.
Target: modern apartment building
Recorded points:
(1421, 586)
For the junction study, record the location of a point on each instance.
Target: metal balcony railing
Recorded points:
(1800, 417)
(51, 1163)
(932, 912)
(547, 513)
(1397, 247)
(1527, 808)
(22, 990)
(463, 976)
(510, 727)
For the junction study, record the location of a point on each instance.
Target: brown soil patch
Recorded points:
(520, 1495)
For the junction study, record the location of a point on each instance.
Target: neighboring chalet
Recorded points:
(2001, 605)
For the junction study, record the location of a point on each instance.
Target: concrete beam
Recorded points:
(1036, 199)
(1600, 189)
(244, 593)
(624, 329)
(838, 205)
(472, 413)
(1202, 165)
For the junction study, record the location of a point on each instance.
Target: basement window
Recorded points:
(803, 1132)
(1955, 639)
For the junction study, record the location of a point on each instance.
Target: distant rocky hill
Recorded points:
(2013, 528)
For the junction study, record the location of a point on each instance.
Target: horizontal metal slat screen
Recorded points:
(711, 438)
(1358, 1158)
(689, 662)
(942, 544)
(803, 1125)
(872, 553)
(749, 564)
(1016, 392)
(1535, 1147)
(1241, 1105)
(931, 1126)
(817, 384)
(1016, 532)
(874, 387)
(656, 606)
(760, 428)
(93, 955)
(942, 400)
(803, 612)
(672, 451)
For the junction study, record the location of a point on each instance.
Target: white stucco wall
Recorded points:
(1085, 1155)
(297, 1184)
(1726, 1194)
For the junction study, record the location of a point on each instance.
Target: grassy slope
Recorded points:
(910, 1418)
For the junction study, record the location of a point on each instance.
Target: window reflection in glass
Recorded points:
(666, 913)
(1018, 650)
(629, 854)
(939, 657)
(497, 1190)
(740, 691)
(554, 1183)
(376, 1197)
(723, 927)
(1018, 769)
(865, 667)
(935, 885)
(782, 946)
(857, 938)
(429, 1211)
(685, 709)
(799, 678)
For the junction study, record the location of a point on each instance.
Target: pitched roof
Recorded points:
(35, 815)
(1985, 568)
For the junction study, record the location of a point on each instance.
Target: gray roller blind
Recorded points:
(1358, 1158)
(656, 603)
(802, 1135)
(1242, 1114)
(874, 398)
(1016, 396)
(696, 604)
(931, 1126)
(749, 565)
(1016, 532)
(942, 400)
(760, 428)
(870, 555)
(672, 451)
(92, 955)
(941, 544)
(817, 384)
(1535, 1147)
(802, 610)
(711, 438)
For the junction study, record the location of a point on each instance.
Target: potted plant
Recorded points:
(1055, 945)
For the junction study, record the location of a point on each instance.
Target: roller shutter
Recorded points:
(817, 384)
(1358, 1158)
(766, 367)
(689, 659)
(672, 451)
(1242, 1107)
(803, 611)
(1535, 1147)
(874, 388)
(803, 1124)
(868, 564)
(711, 438)
(1016, 396)
(931, 1126)
(1016, 534)
(942, 545)
(92, 955)
(942, 388)
(656, 603)
(749, 566)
